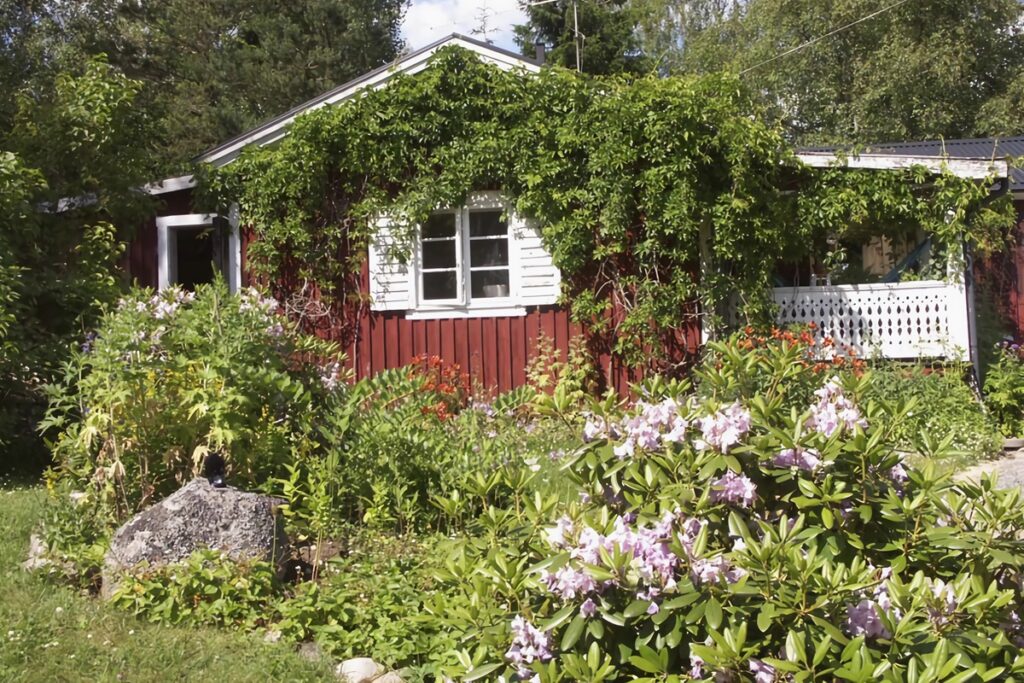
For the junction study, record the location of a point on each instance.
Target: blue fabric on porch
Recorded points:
(906, 262)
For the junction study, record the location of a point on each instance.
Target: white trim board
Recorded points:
(184, 182)
(277, 128)
(962, 167)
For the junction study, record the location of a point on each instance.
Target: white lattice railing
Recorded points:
(926, 319)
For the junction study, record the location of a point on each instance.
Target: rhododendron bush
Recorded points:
(757, 539)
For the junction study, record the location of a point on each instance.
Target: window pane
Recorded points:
(439, 254)
(486, 284)
(439, 285)
(486, 223)
(440, 225)
(488, 253)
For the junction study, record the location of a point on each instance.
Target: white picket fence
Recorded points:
(926, 319)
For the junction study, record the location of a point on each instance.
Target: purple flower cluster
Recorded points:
(733, 489)
(834, 411)
(944, 603)
(652, 561)
(724, 429)
(483, 407)
(801, 458)
(763, 673)
(597, 428)
(863, 618)
(715, 570)
(252, 300)
(330, 375)
(529, 645)
(653, 425)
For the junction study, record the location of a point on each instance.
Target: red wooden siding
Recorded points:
(494, 352)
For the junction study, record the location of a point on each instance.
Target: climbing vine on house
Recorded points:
(651, 191)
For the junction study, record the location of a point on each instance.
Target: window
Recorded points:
(464, 257)
(480, 260)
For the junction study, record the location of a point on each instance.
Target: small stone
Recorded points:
(359, 670)
(389, 677)
(37, 552)
(272, 636)
(311, 651)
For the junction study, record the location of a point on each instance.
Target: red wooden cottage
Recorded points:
(481, 289)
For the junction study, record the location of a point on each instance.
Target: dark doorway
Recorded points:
(195, 256)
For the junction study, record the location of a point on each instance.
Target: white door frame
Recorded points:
(167, 257)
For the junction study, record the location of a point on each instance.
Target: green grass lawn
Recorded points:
(52, 633)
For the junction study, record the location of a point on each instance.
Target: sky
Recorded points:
(428, 20)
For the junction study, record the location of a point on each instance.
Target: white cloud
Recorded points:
(428, 20)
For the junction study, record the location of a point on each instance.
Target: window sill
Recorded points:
(440, 312)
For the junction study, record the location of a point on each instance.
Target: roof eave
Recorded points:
(276, 128)
(964, 167)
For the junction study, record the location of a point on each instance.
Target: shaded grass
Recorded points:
(50, 632)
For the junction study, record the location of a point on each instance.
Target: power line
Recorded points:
(827, 35)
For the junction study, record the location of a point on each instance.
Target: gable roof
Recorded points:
(276, 128)
(965, 149)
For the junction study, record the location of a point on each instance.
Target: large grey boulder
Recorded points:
(244, 526)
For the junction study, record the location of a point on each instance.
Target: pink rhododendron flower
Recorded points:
(863, 618)
(568, 583)
(715, 570)
(834, 411)
(763, 673)
(733, 488)
(724, 429)
(802, 458)
(588, 608)
(529, 644)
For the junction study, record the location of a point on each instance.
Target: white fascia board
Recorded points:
(409, 65)
(184, 182)
(962, 167)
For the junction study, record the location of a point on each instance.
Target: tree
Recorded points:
(214, 68)
(921, 69)
(75, 157)
(607, 41)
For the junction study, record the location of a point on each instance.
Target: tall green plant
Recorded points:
(167, 378)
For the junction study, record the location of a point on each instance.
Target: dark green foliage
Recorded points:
(76, 156)
(607, 41)
(921, 70)
(1004, 389)
(946, 410)
(215, 68)
(653, 194)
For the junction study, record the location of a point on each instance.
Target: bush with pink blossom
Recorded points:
(755, 539)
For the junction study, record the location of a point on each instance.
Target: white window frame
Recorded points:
(464, 306)
(166, 246)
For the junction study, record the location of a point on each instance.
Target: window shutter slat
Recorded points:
(539, 279)
(390, 288)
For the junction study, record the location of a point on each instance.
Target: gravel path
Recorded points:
(1009, 469)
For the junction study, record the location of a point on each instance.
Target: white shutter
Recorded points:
(390, 281)
(539, 279)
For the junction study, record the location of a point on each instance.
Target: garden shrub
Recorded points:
(1004, 389)
(947, 409)
(207, 588)
(167, 378)
(747, 539)
(408, 450)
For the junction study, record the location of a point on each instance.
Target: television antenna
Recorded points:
(578, 37)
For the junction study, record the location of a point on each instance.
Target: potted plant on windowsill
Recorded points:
(1004, 393)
